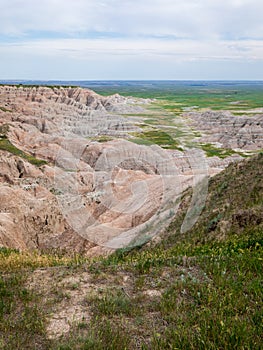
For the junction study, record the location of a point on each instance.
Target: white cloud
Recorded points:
(181, 50)
(189, 18)
(148, 32)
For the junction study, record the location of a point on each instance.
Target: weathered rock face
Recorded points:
(90, 194)
(60, 111)
(237, 132)
(29, 214)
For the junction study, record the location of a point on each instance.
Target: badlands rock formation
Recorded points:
(237, 132)
(88, 192)
(89, 196)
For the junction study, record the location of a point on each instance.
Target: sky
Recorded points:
(131, 39)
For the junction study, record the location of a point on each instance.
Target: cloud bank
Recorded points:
(163, 38)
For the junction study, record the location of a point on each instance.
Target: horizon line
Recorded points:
(135, 80)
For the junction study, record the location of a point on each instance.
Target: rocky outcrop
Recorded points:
(66, 111)
(29, 214)
(236, 132)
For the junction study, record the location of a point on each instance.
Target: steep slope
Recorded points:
(233, 205)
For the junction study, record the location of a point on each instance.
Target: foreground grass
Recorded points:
(21, 320)
(209, 298)
(23, 311)
(11, 260)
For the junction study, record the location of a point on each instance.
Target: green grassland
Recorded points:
(215, 100)
(157, 137)
(178, 96)
(164, 114)
(206, 284)
(212, 151)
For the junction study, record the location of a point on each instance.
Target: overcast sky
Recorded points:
(131, 39)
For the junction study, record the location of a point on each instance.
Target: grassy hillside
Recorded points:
(199, 290)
